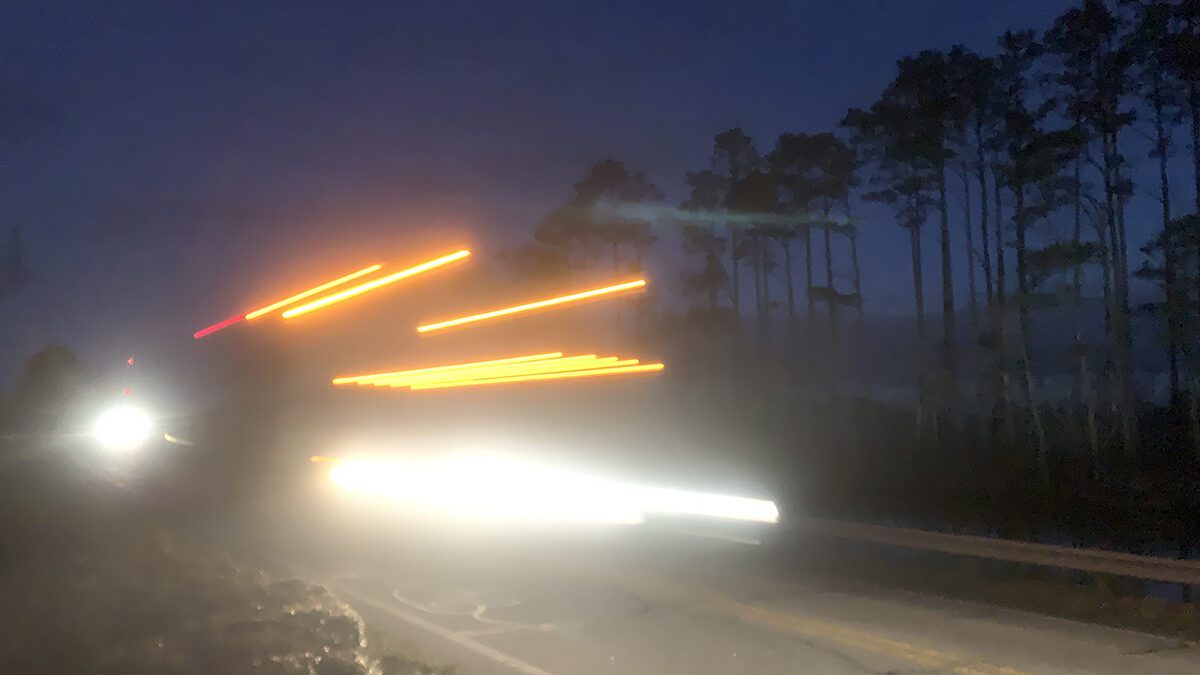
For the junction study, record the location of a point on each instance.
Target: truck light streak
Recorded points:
(533, 367)
(589, 362)
(497, 487)
(469, 373)
(528, 307)
(312, 291)
(350, 379)
(620, 370)
(217, 326)
(374, 284)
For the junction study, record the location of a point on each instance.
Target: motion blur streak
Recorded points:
(550, 302)
(312, 291)
(476, 373)
(487, 487)
(350, 379)
(621, 370)
(375, 283)
(469, 373)
(497, 487)
(589, 362)
(217, 326)
(716, 506)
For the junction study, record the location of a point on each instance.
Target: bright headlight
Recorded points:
(496, 487)
(122, 428)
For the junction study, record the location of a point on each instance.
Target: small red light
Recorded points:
(130, 361)
(127, 391)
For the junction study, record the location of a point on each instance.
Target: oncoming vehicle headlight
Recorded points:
(122, 428)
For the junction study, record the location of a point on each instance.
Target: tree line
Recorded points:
(1024, 160)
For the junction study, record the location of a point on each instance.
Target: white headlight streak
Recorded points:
(497, 487)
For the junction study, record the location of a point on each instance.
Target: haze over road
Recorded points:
(656, 600)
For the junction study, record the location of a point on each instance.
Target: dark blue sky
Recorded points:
(161, 156)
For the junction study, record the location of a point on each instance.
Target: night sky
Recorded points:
(163, 158)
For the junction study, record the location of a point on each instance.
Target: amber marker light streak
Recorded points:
(351, 379)
(528, 307)
(471, 373)
(374, 284)
(312, 291)
(557, 366)
(621, 370)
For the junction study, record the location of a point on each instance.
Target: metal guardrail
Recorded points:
(1098, 561)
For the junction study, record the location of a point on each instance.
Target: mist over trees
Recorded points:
(1015, 171)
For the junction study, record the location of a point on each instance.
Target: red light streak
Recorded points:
(218, 326)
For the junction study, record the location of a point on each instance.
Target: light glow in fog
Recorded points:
(496, 487)
(122, 428)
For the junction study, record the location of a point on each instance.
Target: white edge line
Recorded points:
(466, 642)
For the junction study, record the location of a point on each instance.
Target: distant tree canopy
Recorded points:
(13, 273)
(1025, 162)
(52, 381)
(584, 234)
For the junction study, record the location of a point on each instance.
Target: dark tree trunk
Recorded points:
(1001, 273)
(914, 239)
(852, 233)
(948, 345)
(756, 267)
(734, 276)
(984, 240)
(713, 261)
(791, 284)
(764, 256)
(830, 305)
(1170, 264)
(1077, 349)
(834, 349)
(1114, 211)
(712, 289)
(1025, 319)
(1129, 421)
(1194, 106)
(809, 308)
(973, 301)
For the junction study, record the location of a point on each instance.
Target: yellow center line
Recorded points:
(807, 627)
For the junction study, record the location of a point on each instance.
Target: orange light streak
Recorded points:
(589, 362)
(312, 291)
(374, 284)
(350, 379)
(527, 307)
(619, 370)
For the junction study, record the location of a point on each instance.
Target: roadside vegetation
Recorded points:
(1014, 398)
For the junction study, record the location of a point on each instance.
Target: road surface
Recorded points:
(660, 601)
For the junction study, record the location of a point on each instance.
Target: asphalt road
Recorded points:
(659, 601)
